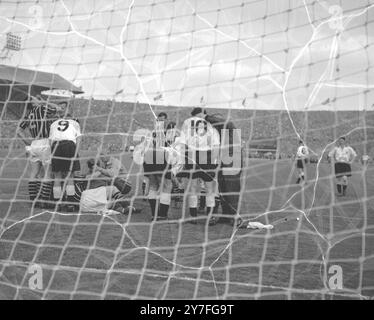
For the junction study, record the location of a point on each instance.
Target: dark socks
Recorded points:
(34, 187)
(46, 191)
(339, 188)
(209, 210)
(202, 202)
(163, 211)
(344, 189)
(152, 204)
(193, 212)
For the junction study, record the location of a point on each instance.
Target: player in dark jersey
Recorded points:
(230, 170)
(39, 116)
(156, 170)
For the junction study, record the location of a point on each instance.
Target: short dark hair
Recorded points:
(171, 125)
(162, 114)
(342, 138)
(197, 110)
(301, 142)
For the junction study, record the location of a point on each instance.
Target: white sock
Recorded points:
(57, 192)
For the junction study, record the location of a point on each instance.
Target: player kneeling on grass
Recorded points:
(107, 186)
(342, 156)
(64, 133)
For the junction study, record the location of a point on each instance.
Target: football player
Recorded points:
(64, 134)
(342, 156)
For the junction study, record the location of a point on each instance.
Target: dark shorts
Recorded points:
(64, 158)
(342, 169)
(155, 162)
(300, 164)
(202, 169)
(204, 172)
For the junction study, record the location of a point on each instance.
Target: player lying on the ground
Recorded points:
(342, 156)
(105, 188)
(38, 119)
(64, 135)
(301, 161)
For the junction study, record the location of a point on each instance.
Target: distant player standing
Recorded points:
(301, 160)
(38, 119)
(64, 133)
(342, 156)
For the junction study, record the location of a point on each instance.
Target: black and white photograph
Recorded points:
(205, 151)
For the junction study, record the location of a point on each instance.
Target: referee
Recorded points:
(37, 121)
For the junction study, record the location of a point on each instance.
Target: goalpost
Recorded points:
(279, 70)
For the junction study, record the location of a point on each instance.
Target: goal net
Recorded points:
(280, 71)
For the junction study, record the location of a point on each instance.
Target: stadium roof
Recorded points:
(14, 75)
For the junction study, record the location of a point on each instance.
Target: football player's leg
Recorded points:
(202, 198)
(47, 185)
(57, 190)
(34, 183)
(210, 196)
(153, 193)
(344, 184)
(193, 196)
(339, 183)
(165, 196)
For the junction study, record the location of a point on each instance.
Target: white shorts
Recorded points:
(94, 200)
(40, 150)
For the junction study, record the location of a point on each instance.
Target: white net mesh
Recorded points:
(281, 71)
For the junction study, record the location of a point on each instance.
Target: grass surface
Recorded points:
(88, 256)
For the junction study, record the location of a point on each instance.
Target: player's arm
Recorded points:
(105, 172)
(21, 130)
(26, 140)
(39, 101)
(353, 155)
(332, 155)
(78, 134)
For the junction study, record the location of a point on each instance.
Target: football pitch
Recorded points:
(94, 256)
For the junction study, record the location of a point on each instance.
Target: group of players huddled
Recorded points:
(206, 153)
(55, 179)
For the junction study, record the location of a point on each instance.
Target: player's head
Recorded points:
(62, 109)
(341, 141)
(198, 112)
(301, 142)
(162, 116)
(104, 157)
(171, 125)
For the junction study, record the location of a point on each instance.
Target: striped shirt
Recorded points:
(38, 120)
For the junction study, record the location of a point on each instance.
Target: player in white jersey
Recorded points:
(301, 161)
(342, 156)
(201, 141)
(365, 160)
(64, 133)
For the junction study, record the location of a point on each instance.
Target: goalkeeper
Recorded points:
(105, 187)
